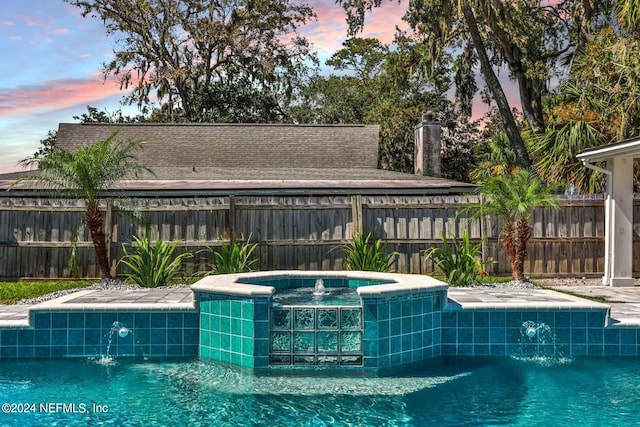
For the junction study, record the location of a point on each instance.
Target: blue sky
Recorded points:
(52, 59)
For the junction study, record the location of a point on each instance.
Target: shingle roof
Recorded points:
(238, 145)
(234, 158)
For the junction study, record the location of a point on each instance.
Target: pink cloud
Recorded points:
(6, 23)
(330, 30)
(55, 94)
(59, 31)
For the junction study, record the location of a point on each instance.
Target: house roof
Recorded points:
(241, 158)
(237, 145)
(625, 148)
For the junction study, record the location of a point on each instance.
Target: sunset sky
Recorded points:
(52, 59)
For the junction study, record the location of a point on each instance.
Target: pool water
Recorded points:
(445, 391)
(305, 296)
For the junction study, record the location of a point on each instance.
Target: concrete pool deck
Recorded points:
(624, 303)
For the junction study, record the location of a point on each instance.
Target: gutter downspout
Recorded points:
(608, 219)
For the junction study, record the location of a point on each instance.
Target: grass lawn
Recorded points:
(12, 292)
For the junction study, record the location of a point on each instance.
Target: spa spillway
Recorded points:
(319, 318)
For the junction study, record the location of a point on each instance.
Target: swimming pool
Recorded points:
(441, 391)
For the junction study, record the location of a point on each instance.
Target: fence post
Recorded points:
(108, 232)
(356, 214)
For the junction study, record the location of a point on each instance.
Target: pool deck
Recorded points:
(624, 303)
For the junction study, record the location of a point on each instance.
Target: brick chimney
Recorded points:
(426, 154)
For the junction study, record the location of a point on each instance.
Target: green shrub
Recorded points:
(459, 261)
(233, 257)
(153, 265)
(365, 255)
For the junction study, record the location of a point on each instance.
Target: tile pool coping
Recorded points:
(399, 284)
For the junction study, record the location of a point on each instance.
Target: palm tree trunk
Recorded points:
(95, 223)
(522, 236)
(510, 126)
(508, 243)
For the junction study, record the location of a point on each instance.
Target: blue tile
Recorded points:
(498, 349)
(481, 335)
(563, 335)
(191, 320)
(578, 350)
(395, 309)
(465, 335)
(407, 342)
(427, 338)
(437, 319)
(497, 336)
(157, 350)
(513, 335)
(465, 350)
(383, 347)
(628, 336)
(370, 348)
(416, 306)
(611, 350)
(595, 349)
(190, 336)
(370, 312)
(384, 311)
(395, 344)
(370, 330)
(9, 337)
(108, 319)
(405, 357)
(261, 311)
(416, 340)
(174, 336)
(578, 336)
(42, 320)
(26, 337)
(406, 308)
(427, 321)
(76, 337)
(42, 352)
(449, 335)
(578, 319)
(563, 319)
(42, 337)
(93, 320)
(450, 319)
(126, 319)
(395, 327)
(58, 337)
(25, 352)
(416, 323)
(498, 319)
(595, 336)
(142, 320)
(595, 319)
(406, 325)
(450, 350)
(547, 317)
(76, 320)
(481, 350)
(92, 336)
(465, 319)
(612, 336)
(261, 329)
(141, 336)
(174, 320)
(628, 350)
(58, 351)
(514, 319)
(59, 320)
(384, 361)
(158, 320)
(225, 308)
(481, 319)
(396, 359)
(158, 336)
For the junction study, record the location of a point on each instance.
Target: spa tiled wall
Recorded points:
(404, 329)
(234, 330)
(86, 334)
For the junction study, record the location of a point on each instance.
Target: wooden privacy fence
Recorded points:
(296, 232)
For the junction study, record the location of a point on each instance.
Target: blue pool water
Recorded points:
(591, 392)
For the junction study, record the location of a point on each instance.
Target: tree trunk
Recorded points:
(95, 223)
(510, 126)
(531, 99)
(522, 236)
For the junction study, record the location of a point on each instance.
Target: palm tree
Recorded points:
(87, 173)
(512, 198)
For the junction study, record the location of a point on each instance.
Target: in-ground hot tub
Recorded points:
(359, 319)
